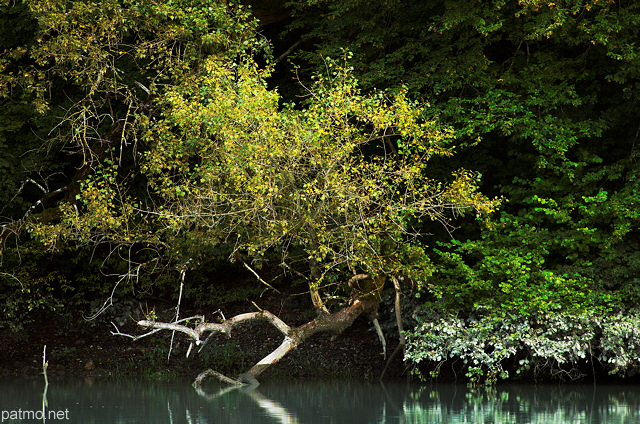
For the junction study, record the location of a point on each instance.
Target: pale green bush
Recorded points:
(551, 344)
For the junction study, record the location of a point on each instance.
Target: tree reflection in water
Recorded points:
(127, 401)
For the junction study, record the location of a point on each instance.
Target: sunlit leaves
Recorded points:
(340, 177)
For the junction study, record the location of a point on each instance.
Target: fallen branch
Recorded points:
(334, 323)
(224, 327)
(211, 373)
(158, 329)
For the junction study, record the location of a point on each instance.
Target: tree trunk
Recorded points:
(316, 277)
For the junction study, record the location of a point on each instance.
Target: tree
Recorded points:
(188, 153)
(336, 184)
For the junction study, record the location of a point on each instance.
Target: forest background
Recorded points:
(525, 113)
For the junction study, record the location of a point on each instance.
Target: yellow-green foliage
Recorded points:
(336, 181)
(340, 176)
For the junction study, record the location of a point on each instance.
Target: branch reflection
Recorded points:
(269, 406)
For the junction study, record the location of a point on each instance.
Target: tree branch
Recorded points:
(225, 327)
(334, 323)
(402, 341)
(289, 50)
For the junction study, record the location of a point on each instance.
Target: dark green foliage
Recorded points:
(544, 100)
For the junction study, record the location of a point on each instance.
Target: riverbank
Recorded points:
(80, 348)
(77, 347)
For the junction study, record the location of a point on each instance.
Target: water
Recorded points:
(125, 402)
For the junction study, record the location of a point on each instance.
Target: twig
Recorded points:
(183, 271)
(107, 303)
(259, 278)
(6, 274)
(131, 336)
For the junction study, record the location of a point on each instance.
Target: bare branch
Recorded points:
(211, 373)
(225, 327)
(174, 327)
(259, 278)
(183, 271)
(107, 303)
(376, 325)
(334, 323)
(402, 341)
(138, 337)
(289, 50)
(131, 336)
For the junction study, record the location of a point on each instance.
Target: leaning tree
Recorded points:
(198, 153)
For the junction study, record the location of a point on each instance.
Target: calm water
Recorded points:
(336, 402)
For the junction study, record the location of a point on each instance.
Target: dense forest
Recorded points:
(466, 171)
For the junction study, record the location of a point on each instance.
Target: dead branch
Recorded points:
(141, 336)
(211, 373)
(402, 341)
(260, 278)
(334, 323)
(224, 327)
(376, 325)
(289, 50)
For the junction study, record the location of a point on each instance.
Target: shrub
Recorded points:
(554, 344)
